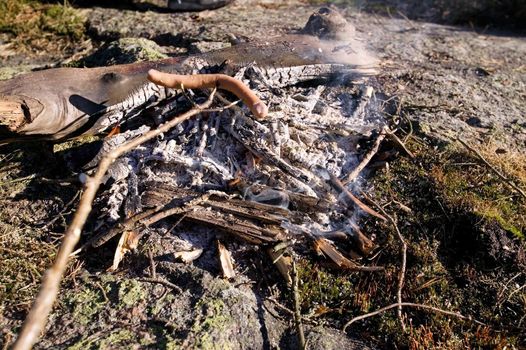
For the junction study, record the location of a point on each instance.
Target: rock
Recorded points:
(122, 51)
(206, 46)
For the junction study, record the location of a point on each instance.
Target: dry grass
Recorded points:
(468, 183)
(34, 26)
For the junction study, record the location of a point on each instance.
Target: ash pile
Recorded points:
(261, 182)
(292, 179)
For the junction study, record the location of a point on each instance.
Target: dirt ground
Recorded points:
(463, 224)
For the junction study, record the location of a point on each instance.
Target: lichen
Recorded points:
(122, 51)
(11, 72)
(210, 323)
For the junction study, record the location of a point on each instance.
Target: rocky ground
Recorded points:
(464, 225)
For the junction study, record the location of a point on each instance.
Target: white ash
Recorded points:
(296, 145)
(116, 195)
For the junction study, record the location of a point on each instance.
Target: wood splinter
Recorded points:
(221, 81)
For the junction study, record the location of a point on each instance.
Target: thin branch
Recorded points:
(36, 319)
(400, 144)
(338, 185)
(495, 170)
(163, 282)
(421, 306)
(403, 249)
(356, 172)
(297, 311)
(153, 270)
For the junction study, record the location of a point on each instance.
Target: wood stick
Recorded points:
(421, 306)
(36, 319)
(400, 144)
(297, 310)
(403, 252)
(221, 81)
(365, 245)
(354, 174)
(495, 170)
(338, 185)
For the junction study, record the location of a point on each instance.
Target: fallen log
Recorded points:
(66, 102)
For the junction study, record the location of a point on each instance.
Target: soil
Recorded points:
(446, 81)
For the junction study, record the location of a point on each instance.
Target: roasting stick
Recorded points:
(37, 317)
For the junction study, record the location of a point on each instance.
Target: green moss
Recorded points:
(159, 304)
(37, 24)
(475, 188)
(85, 303)
(320, 287)
(23, 258)
(122, 51)
(506, 225)
(115, 338)
(130, 293)
(63, 20)
(110, 340)
(11, 72)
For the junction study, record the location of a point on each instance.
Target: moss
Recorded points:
(108, 341)
(85, 303)
(115, 338)
(130, 293)
(123, 51)
(161, 303)
(63, 20)
(464, 182)
(321, 288)
(24, 256)
(506, 225)
(37, 26)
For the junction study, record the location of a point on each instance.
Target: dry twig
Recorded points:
(495, 170)
(401, 274)
(297, 311)
(163, 282)
(43, 303)
(337, 184)
(392, 136)
(421, 306)
(356, 172)
(153, 270)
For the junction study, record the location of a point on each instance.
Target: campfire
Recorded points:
(272, 158)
